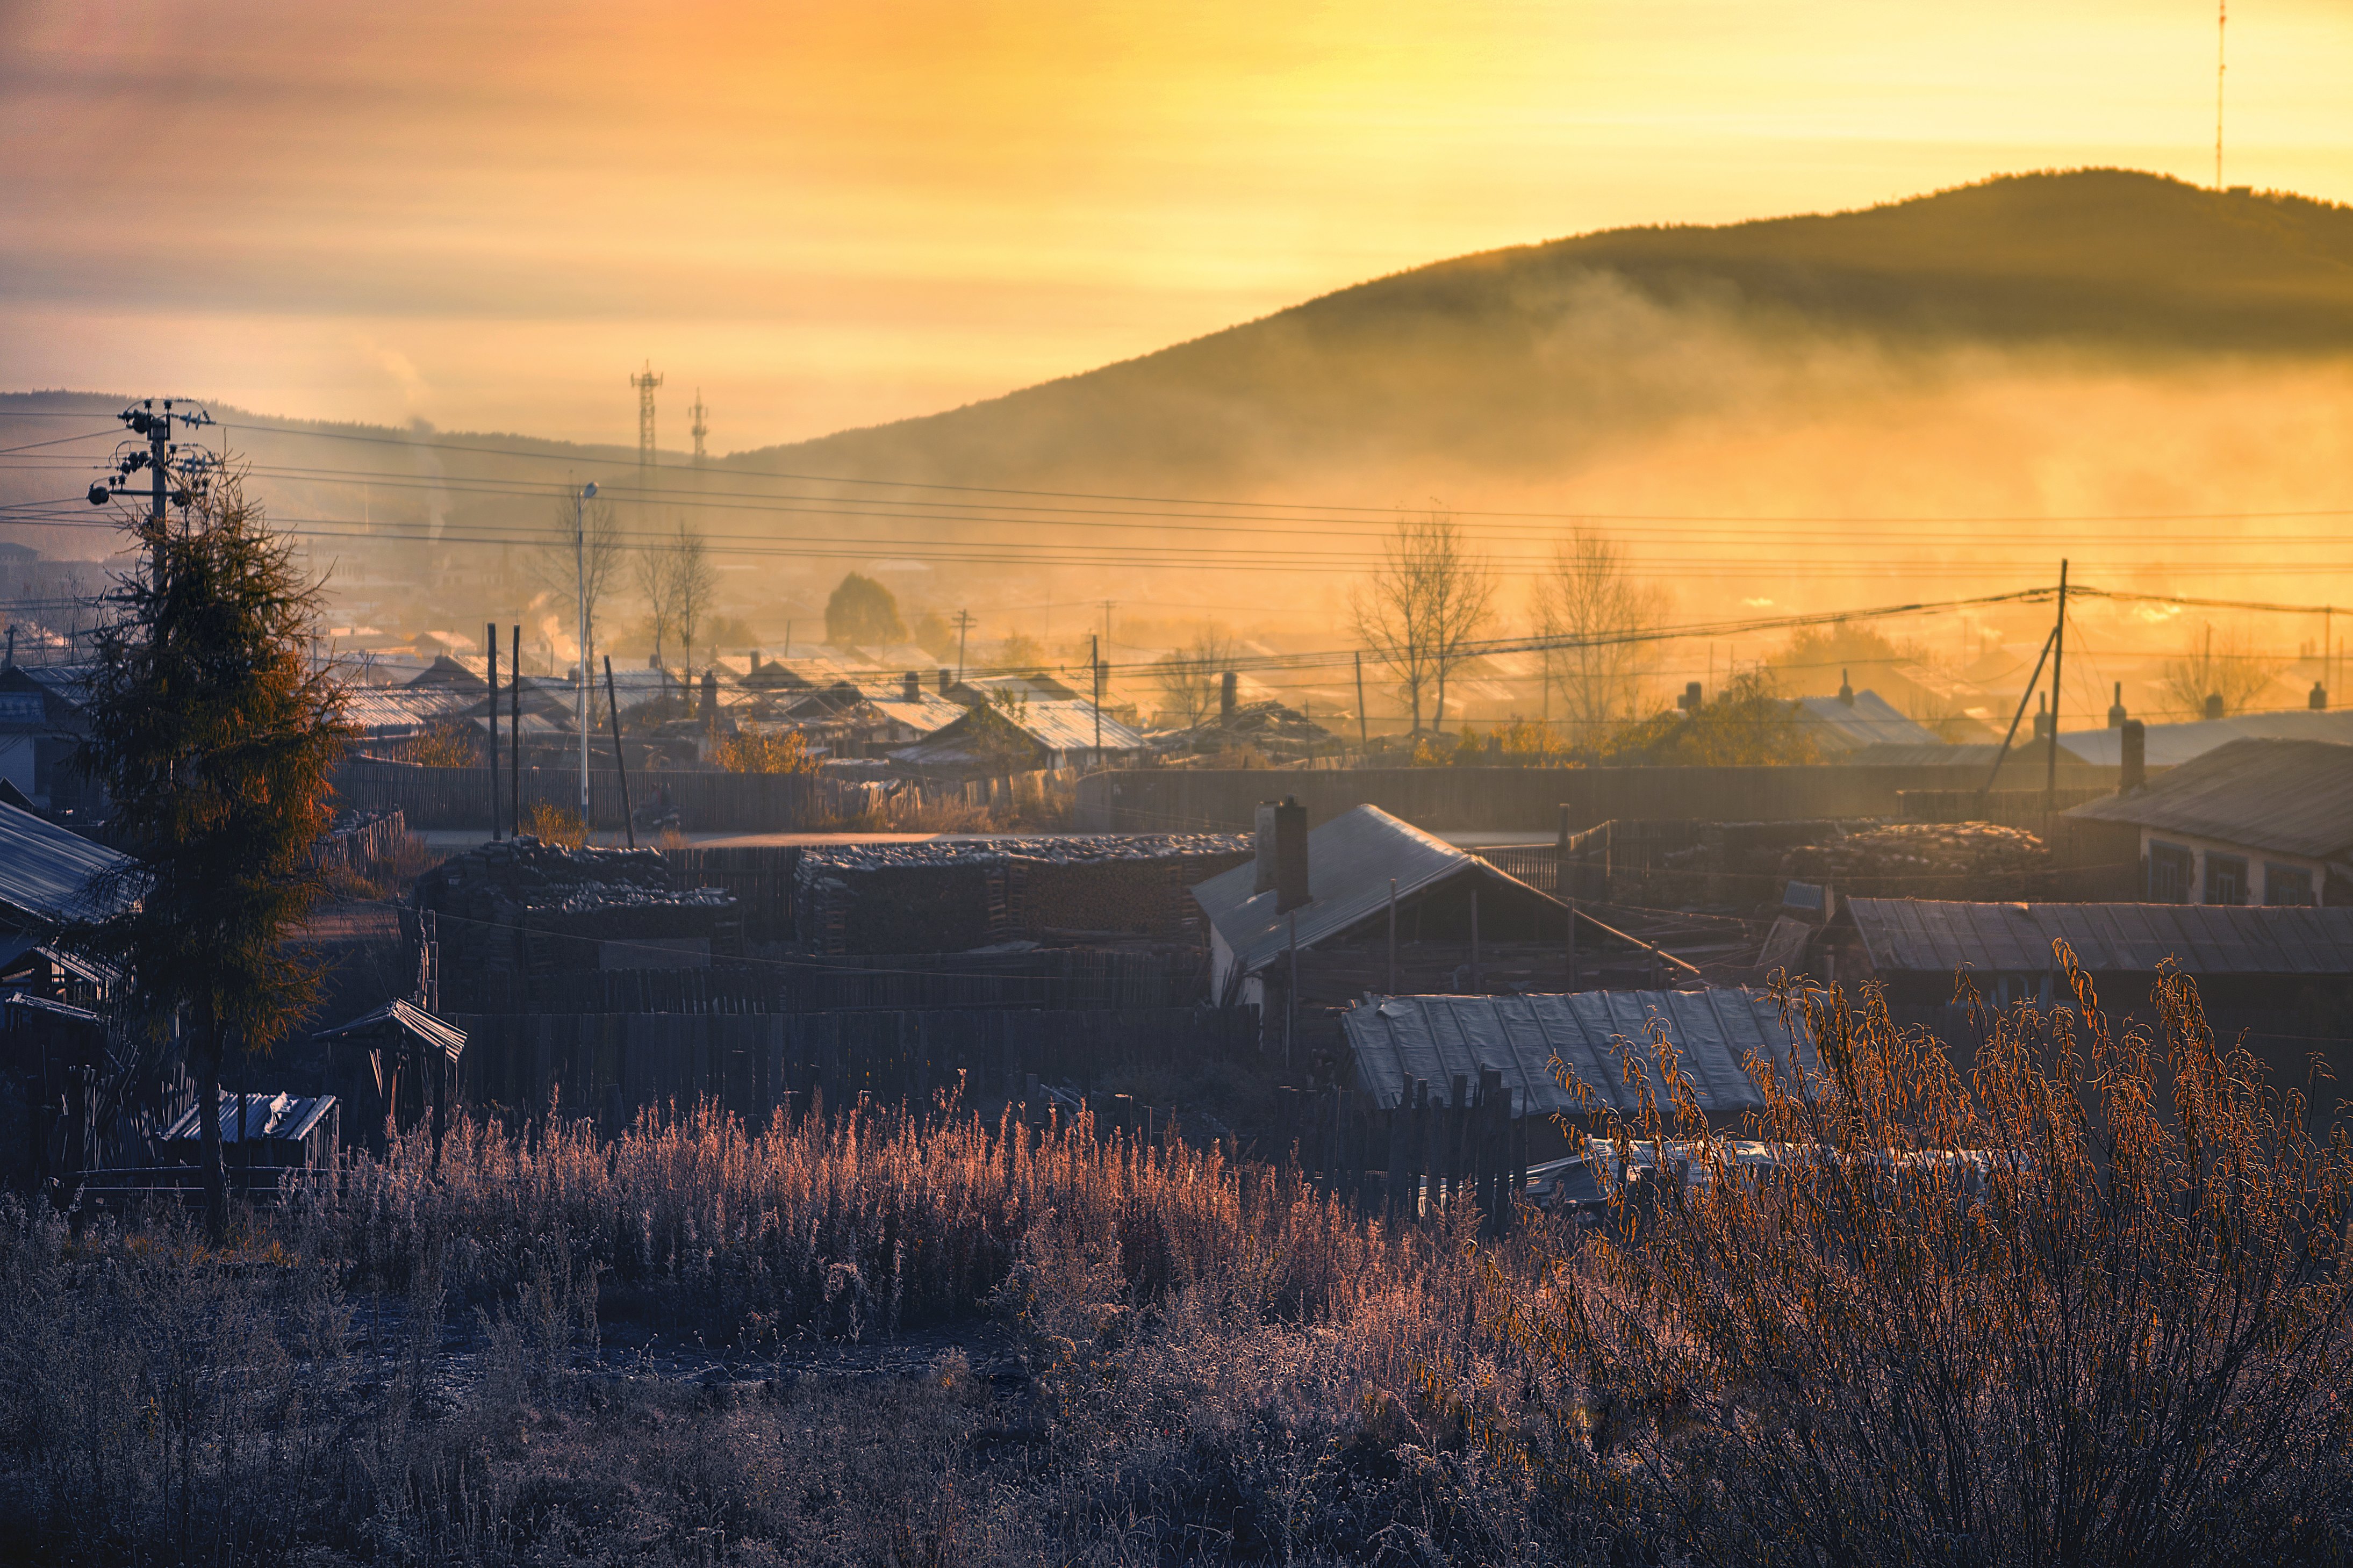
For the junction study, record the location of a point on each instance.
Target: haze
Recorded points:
(829, 216)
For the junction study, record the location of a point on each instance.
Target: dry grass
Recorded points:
(2119, 1360)
(554, 825)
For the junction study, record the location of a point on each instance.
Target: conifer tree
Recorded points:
(214, 734)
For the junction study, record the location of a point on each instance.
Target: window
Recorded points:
(2287, 884)
(2168, 873)
(2226, 879)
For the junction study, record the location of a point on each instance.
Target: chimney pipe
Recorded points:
(1846, 691)
(1693, 698)
(2135, 773)
(2117, 709)
(2213, 705)
(912, 690)
(1282, 852)
(2318, 700)
(1228, 686)
(2041, 717)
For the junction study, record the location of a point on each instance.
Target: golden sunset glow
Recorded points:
(831, 215)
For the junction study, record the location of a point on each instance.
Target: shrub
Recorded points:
(554, 825)
(447, 746)
(2111, 1335)
(764, 751)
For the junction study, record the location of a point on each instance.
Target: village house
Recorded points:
(2250, 822)
(1024, 736)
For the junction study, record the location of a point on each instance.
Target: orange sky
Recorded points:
(484, 214)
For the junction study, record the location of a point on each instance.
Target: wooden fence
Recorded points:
(1056, 979)
(1427, 1158)
(361, 848)
(1182, 800)
(705, 800)
(611, 1065)
(1537, 865)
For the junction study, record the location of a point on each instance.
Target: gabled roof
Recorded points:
(404, 1017)
(392, 713)
(1838, 726)
(2291, 797)
(50, 876)
(1941, 937)
(1055, 726)
(1591, 1033)
(2170, 744)
(1350, 860)
(928, 712)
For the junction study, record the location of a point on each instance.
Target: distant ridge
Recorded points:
(1504, 356)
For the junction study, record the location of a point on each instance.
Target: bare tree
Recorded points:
(2230, 670)
(691, 584)
(581, 572)
(653, 575)
(1189, 676)
(1426, 602)
(1589, 596)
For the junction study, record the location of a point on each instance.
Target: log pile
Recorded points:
(950, 896)
(520, 904)
(1928, 860)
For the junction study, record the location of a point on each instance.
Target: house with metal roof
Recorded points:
(41, 728)
(51, 878)
(1367, 902)
(2280, 979)
(2170, 745)
(1543, 1044)
(1022, 737)
(1853, 719)
(2252, 822)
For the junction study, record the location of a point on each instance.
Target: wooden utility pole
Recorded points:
(1363, 736)
(2058, 662)
(491, 729)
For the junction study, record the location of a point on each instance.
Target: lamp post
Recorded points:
(580, 578)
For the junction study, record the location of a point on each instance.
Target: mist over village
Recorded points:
(1033, 782)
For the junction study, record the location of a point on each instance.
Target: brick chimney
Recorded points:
(1282, 852)
(912, 690)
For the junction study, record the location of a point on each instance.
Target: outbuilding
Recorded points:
(2252, 822)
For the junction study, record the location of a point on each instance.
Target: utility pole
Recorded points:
(2058, 663)
(699, 429)
(580, 501)
(1095, 657)
(645, 384)
(963, 625)
(145, 420)
(2221, 30)
(1364, 735)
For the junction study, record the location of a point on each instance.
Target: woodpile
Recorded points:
(950, 896)
(1979, 860)
(520, 904)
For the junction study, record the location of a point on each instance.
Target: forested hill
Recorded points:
(1524, 355)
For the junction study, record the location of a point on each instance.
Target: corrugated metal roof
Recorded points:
(1592, 1034)
(1941, 937)
(2291, 797)
(48, 875)
(1872, 719)
(1056, 726)
(286, 1116)
(388, 713)
(407, 1017)
(2172, 745)
(927, 713)
(1350, 860)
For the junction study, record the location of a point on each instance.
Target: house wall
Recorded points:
(2257, 889)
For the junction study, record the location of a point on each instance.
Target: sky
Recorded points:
(485, 215)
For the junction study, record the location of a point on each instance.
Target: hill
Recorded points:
(1522, 357)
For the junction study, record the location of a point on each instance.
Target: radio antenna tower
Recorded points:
(645, 385)
(2221, 26)
(701, 426)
